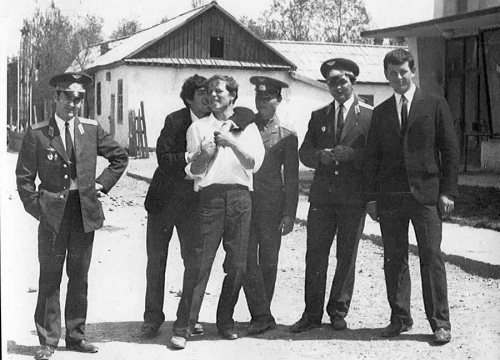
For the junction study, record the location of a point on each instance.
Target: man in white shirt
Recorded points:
(225, 156)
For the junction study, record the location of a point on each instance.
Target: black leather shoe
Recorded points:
(228, 334)
(198, 329)
(260, 326)
(304, 324)
(338, 323)
(44, 352)
(82, 346)
(442, 336)
(149, 330)
(394, 329)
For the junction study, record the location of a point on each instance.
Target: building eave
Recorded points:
(446, 27)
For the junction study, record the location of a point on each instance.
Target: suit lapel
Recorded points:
(56, 141)
(392, 114)
(414, 108)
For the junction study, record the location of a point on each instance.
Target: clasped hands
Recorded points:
(339, 153)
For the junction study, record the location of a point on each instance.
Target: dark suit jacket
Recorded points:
(340, 183)
(423, 162)
(169, 186)
(276, 184)
(42, 153)
(169, 178)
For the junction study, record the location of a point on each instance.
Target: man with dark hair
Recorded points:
(171, 200)
(334, 146)
(225, 155)
(411, 173)
(62, 152)
(274, 202)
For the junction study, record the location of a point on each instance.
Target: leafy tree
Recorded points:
(197, 3)
(51, 37)
(291, 19)
(342, 21)
(259, 27)
(312, 20)
(126, 27)
(51, 41)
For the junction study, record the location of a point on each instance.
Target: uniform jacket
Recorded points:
(43, 154)
(276, 184)
(340, 183)
(423, 162)
(169, 186)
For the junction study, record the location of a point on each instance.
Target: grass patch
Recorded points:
(475, 206)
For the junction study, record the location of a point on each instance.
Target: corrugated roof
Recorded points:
(308, 56)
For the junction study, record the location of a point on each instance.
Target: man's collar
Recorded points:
(347, 104)
(408, 94)
(60, 122)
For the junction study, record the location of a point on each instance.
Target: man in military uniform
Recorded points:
(62, 152)
(334, 146)
(274, 202)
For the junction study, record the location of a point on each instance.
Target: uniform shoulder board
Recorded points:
(40, 125)
(288, 130)
(88, 121)
(365, 105)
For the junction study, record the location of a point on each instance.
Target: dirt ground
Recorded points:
(117, 287)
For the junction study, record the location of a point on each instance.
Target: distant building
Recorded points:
(458, 56)
(152, 65)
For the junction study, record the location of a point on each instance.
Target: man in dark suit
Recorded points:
(274, 202)
(62, 152)
(411, 170)
(171, 200)
(334, 146)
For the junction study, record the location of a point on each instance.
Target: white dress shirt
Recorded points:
(409, 97)
(225, 168)
(61, 124)
(347, 105)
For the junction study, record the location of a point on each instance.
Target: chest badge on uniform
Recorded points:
(323, 128)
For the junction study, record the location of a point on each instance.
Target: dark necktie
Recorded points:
(404, 114)
(340, 123)
(70, 151)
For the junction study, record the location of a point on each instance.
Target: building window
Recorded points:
(367, 99)
(216, 47)
(120, 102)
(108, 76)
(98, 98)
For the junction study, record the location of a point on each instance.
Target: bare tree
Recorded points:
(291, 19)
(86, 34)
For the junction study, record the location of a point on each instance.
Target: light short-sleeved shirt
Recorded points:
(225, 167)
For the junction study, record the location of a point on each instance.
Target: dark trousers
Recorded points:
(262, 262)
(224, 212)
(159, 232)
(323, 222)
(394, 221)
(75, 246)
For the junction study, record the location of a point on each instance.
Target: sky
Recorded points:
(384, 13)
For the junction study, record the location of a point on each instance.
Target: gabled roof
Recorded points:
(125, 48)
(308, 57)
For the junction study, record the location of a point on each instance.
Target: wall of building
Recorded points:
(159, 88)
(431, 64)
(444, 8)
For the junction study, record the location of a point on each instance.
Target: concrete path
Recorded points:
(477, 251)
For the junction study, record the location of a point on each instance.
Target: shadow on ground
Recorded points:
(129, 332)
(470, 266)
